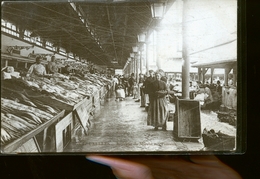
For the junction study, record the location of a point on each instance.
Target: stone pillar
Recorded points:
(6, 63)
(141, 62)
(203, 75)
(185, 57)
(158, 59)
(211, 75)
(227, 70)
(137, 67)
(133, 64)
(147, 58)
(130, 66)
(199, 74)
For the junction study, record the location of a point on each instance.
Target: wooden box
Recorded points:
(187, 124)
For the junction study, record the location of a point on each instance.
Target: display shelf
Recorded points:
(9, 148)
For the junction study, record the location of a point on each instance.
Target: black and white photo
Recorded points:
(121, 76)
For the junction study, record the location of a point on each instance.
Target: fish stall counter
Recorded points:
(71, 113)
(24, 128)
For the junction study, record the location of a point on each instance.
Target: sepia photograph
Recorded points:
(121, 77)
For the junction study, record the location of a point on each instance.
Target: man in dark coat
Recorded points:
(147, 85)
(131, 82)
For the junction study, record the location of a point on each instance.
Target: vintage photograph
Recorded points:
(120, 76)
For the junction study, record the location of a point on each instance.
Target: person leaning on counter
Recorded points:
(37, 69)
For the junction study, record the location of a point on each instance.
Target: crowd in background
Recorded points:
(155, 90)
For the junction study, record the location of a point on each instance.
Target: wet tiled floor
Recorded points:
(121, 126)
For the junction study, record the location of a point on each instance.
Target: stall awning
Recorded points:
(20, 59)
(217, 64)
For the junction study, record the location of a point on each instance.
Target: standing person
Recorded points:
(131, 81)
(120, 92)
(217, 96)
(219, 88)
(52, 66)
(125, 83)
(142, 92)
(135, 90)
(163, 77)
(115, 82)
(37, 69)
(158, 110)
(140, 84)
(146, 86)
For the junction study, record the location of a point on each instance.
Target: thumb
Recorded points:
(206, 160)
(124, 169)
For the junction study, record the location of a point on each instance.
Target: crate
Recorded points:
(187, 123)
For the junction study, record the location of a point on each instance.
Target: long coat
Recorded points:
(158, 110)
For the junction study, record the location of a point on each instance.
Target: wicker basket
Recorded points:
(218, 141)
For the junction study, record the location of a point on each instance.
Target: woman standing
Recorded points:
(158, 111)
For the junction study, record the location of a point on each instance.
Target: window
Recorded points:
(63, 51)
(27, 34)
(49, 45)
(9, 28)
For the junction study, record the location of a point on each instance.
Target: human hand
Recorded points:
(167, 167)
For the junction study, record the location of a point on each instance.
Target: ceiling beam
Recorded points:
(111, 31)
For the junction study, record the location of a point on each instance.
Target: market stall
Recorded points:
(71, 99)
(228, 99)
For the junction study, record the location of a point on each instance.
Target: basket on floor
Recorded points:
(218, 141)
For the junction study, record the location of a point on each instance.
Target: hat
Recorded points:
(151, 71)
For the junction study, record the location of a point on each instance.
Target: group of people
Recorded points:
(152, 89)
(209, 95)
(52, 67)
(128, 87)
(156, 90)
(38, 69)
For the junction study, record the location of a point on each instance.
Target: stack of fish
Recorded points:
(18, 119)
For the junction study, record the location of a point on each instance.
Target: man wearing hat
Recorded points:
(37, 69)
